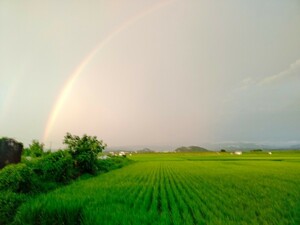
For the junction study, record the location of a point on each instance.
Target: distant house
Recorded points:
(103, 157)
(238, 152)
(121, 153)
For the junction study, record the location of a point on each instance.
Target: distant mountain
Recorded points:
(250, 146)
(130, 148)
(145, 150)
(191, 149)
(236, 146)
(217, 146)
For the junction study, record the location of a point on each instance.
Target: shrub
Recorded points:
(112, 163)
(9, 203)
(36, 149)
(57, 167)
(16, 178)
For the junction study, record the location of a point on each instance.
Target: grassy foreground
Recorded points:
(179, 188)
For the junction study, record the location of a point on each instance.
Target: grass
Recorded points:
(179, 188)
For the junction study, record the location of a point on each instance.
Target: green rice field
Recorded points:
(179, 188)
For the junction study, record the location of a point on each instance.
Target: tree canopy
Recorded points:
(85, 150)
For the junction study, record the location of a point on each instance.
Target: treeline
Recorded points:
(41, 171)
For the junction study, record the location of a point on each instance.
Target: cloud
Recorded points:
(270, 93)
(247, 82)
(292, 71)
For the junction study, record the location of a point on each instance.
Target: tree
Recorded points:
(84, 151)
(36, 149)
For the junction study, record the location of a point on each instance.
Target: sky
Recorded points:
(150, 73)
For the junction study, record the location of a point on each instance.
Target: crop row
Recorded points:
(177, 192)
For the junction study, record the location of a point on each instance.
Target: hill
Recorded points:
(191, 149)
(145, 150)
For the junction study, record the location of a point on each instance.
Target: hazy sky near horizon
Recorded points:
(153, 72)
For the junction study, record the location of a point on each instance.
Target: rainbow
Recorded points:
(74, 76)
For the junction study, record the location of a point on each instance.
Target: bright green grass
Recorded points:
(179, 188)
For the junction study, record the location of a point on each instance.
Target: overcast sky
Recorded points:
(153, 72)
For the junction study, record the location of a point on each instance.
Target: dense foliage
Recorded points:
(35, 149)
(57, 167)
(16, 178)
(2, 139)
(41, 172)
(9, 203)
(84, 150)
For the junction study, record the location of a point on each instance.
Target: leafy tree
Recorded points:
(84, 151)
(36, 149)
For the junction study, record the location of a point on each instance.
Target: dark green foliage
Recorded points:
(84, 150)
(112, 163)
(256, 150)
(65, 210)
(3, 139)
(16, 178)
(57, 167)
(46, 171)
(223, 150)
(9, 203)
(36, 149)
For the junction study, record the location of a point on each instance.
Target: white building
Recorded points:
(103, 157)
(121, 153)
(238, 152)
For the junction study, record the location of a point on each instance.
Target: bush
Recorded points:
(84, 150)
(36, 149)
(112, 163)
(57, 167)
(9, 203)
(45, 171)
(16, 178)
